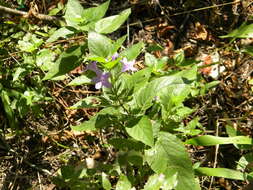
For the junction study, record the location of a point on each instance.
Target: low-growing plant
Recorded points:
(142, 105)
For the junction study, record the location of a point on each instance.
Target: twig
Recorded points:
(28, 14)
(187, 12)
(215, 154)
(204, 8)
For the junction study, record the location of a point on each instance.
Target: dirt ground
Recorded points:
(47, 143)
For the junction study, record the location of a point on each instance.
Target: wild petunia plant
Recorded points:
(144, 107)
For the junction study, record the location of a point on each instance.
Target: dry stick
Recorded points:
(204, 8)
(190, 11)
(216, 154)
(23, 13)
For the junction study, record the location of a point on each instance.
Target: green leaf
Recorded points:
(220, 172)
(133, 51)
(80, 80)
(142, 131)
(123, 183)
(126, 144)
(89, 102)
(157, 182)
(95, 13)
(67, 61)
(60, 33)
(209, 140)
(99, 45)
(144, 97)
(190, 129)
(211, 84)
(105, 182)
(73, 14)
(118, 43)
(245, 162)
(169, 157)
(248, 50)
(29, 43)
(18, 72)
(102, 119)
(179, 58)
(12, 120)
(112, 23)
(150, 60)
(244, 31)
(45, 59)
(233, 133)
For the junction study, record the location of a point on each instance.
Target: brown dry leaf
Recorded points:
(207, 60)
(201, 32)
(77, 70)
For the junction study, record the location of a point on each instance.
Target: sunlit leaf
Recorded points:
(133, 51)
(220, 172)
(209, 140)
(67, 61)
(169, 157)
(244, 31)
(142, 131)
(73, 14)
(99, 45)
(80, 80)
(60, 33)
(123, 183)
(112, 23)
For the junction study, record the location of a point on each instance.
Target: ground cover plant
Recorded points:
(143, 122)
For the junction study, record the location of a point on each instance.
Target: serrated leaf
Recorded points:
(168, 157)
(144, 97)
(80, 80)
(142, 131)
(99, 44)
(112, 23)
(67, 61)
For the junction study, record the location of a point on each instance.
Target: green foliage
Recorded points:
(169, 157)
(144, 108)
(244, 31)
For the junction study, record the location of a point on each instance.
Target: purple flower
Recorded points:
(115, 56)
(102, 80)
(127, 65)
(93, 67)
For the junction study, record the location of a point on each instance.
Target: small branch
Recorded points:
(28, 14)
